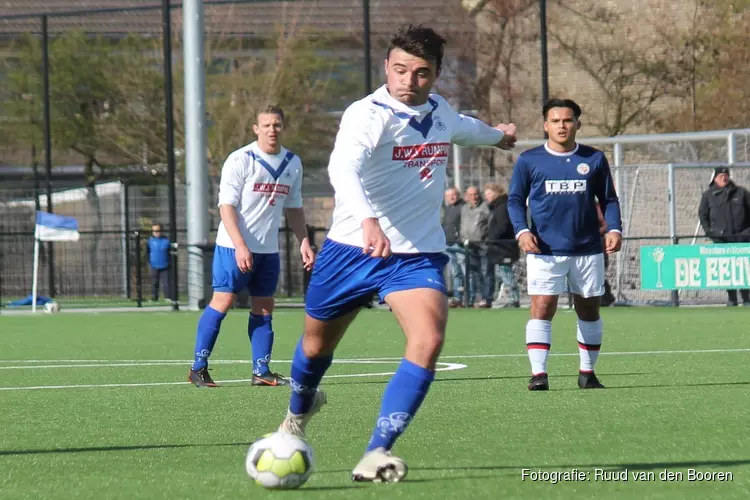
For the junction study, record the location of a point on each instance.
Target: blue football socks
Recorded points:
(402, 398)
(260, 331)
(305, 378)
(205, 339)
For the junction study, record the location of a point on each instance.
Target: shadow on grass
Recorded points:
(117, 448)
(667, 386)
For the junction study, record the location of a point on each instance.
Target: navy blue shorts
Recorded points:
(260, 282)
(345, 279)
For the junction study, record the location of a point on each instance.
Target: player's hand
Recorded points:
(376, 242)
(527, 242)
(612, 242)
(244, 258)
(509, 139)
(308, 255)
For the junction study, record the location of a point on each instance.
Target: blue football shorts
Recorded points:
(260, 282)
(345, 279)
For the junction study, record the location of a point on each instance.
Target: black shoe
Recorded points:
(512, 304)
(589, 381)
(269, 379)
(539, 382)
(201, 378)
(731, 304)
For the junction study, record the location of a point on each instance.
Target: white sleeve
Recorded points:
(233, 175)
(359, 133)
(468, 131)
(294, 198)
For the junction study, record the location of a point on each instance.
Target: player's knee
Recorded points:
(543, 307)
(427, 345)
(222, 301)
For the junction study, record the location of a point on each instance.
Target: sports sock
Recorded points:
(305, 378)
(402, 398)
(589, 342)
(205, 338)
(538, 342)
(260, 331)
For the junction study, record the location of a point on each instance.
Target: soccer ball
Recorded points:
(280, 461)
(52, 307)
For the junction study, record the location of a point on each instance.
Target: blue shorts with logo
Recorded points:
(260, 282)
(345, 279)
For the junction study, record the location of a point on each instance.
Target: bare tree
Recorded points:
(631, 76)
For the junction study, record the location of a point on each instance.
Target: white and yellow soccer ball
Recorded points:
(280, 461)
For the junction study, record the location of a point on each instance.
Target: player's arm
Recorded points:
(230, 191)
(518, 193)
(610, 205)
(359, 133)
(469, 131)
(295, 215)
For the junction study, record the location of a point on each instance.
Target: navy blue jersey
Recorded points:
(562, 190)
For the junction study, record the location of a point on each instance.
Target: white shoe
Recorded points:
(295, 424)
(379, 466)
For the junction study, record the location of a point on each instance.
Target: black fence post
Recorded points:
(138, 265)
(126, 229)
(48, 149)
(307, 274)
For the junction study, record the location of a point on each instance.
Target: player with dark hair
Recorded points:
(562, 181)
(388, 170)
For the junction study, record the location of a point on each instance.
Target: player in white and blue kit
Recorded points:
(260, 183)
(563, 181)
(388, 170)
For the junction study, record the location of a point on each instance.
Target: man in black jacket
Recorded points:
(502, 248)
(724, 213)
(452, 228)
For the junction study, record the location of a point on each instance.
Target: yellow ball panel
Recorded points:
(281, 468)
(297, 462)
(265, 462)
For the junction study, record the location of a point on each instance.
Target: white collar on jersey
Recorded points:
(382, 95)
(557, 153)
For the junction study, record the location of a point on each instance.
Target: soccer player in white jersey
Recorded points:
(388, 170)
(260, 183)
(563, 181)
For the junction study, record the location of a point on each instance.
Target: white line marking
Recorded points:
(155, 362)
(443, 368)
(165, 362)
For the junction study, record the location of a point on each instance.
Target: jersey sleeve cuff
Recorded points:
(519, 233)
(614, 231)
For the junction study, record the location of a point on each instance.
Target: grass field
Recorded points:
(678, 398)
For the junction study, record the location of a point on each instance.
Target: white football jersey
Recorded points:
(389, 162)
(259, 186)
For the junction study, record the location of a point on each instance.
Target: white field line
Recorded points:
(441, 368)
(73, 363)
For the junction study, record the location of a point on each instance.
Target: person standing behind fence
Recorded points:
(452, 228)
(502, 249)
(724, 213)
(157, 254)
(475, 215)
(260, 183)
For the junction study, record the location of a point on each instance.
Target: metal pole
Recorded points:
(618, 184)
(288, 257)
(457, 158)
(196, 166)
(168, 108)
(731, 148)
(543, 48)
(48, 149)
(138, 270)
(367, 48)
(672, 221)
(126, 232)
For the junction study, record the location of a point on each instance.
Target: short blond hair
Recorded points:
(496, 188)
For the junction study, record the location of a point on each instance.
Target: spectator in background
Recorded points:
(452, 228)
(157, 253)
(608, 298)
(724, 213)
(502, 248)
(475, 215)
